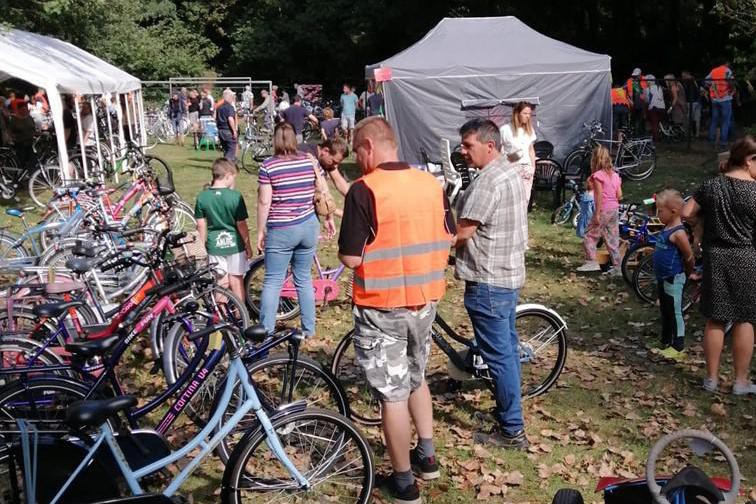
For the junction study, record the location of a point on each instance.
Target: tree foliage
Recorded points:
(329, 41)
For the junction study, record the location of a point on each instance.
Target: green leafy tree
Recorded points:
(740, 15)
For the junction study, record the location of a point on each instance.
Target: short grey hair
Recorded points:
(485, 129)
(229, 95)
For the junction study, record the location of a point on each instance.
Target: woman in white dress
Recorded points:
(517, 140)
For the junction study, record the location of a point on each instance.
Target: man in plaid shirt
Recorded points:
(492, 235)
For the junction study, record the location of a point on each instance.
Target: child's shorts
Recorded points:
(234, 264)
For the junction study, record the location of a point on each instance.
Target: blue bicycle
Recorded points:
(296, 454)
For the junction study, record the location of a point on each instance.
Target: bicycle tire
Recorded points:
(644, 281)
(632, 258)
(645, 167)
(294, 431)
(10, 247)
(288, 308)
(248, 161)
(42, 184)
(266, 377)
(562, 214)
(365, 408)
(13, 349)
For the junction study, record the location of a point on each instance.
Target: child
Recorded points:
(607, 192)
(222, 225)
(673, 263)
(587, 207)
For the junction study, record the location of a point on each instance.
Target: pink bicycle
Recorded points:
(325, 284)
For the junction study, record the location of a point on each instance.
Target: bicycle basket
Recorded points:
(191, 251)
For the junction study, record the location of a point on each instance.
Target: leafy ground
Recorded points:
(613, 400)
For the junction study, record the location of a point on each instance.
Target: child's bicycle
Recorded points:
(689, 485)
(307, 455)
(569, 211)
(646, 287)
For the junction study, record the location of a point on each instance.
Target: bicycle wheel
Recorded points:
(325, 447)
(249, 162)
(642, 166)
(632, 258)
(562, 214)
(271, 377)
(11, 247)
(364, 406)
(23, 354)
(644, 280)
(288, 307)
(42, 184)
(543, 350)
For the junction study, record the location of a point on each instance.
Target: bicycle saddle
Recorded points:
(90, 348)
(79, 265)
(255, 333)
(95, 413)
(82, 249)
(18, 212)
(54, 309)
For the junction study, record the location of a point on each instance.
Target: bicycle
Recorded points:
(255, 145)
(569, 211)
(326, 285)
(542, 349)
(646, 287)
(633, 158)
(314, 451)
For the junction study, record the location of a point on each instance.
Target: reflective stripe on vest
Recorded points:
(406, 262)
(720, 87)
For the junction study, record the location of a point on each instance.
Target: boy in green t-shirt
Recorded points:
(222, 225)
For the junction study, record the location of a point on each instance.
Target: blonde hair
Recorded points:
(284, 140)
(377, 129)
(516, 124)
(601, 160)
(222, 167)
(670, 198)
(328, 113)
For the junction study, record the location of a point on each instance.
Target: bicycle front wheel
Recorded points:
(543, 350)
(632, 259)
(42, 184)
(272, 378)
(562, 214)
(643, 166)
(364, 406)
(249, 163)
(644, 280)
(325, 447)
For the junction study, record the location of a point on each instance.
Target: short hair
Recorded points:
(222, 167)
(297, 98)
(229, 95)
(485, 129)
(336, 145)
(377, 129)
(284, 140)
(670, 198)
(328, 113)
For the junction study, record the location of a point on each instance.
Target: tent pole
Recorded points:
(92, 103)
(81, 137)
(110, 135)
(56, 109)
(142, 129)
(128, 116)
(119, 111)
(133, 125)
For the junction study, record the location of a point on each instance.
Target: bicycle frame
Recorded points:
(237, 374)
(332, 275)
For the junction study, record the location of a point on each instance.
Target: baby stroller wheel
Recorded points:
(567, 496)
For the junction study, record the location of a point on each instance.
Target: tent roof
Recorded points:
(46, 61)
(463, 47)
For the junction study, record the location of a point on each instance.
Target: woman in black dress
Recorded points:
(727, 204)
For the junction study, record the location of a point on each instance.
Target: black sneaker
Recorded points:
(502, 440)
(407, 495)
(425, 467)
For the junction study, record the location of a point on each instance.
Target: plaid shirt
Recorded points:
(495, 254)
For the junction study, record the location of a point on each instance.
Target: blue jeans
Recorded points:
(492, 313)
(721, 115)
(293, 245)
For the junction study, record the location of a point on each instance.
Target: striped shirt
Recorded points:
(293, 182)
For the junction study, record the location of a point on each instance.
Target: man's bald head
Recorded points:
(374, 143)
(378, 130)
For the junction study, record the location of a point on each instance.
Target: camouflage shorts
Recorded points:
(392, 347)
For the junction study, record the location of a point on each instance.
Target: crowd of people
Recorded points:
(644, 101)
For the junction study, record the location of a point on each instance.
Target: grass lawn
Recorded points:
(614, 399)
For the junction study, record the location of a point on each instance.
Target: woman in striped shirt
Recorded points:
(287, 226)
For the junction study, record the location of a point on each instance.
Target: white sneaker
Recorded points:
(613, 272)
(710, 385)
(747, 389)
(589, 266)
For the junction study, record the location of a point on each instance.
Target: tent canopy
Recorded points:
(48, 62)
(473, 67)
(488, 46)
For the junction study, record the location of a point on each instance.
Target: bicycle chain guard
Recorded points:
(326, 290)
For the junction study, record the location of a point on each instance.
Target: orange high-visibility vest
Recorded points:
(619, 97)
(405, 264)
(720, 87)
(629, 87)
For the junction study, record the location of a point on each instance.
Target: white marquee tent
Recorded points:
(466, 66)
(62, 68)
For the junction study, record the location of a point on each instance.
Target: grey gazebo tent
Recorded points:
(468, 67)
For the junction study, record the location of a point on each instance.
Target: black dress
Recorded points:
(728, 206)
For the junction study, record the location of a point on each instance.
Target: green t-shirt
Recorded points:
(222, 208)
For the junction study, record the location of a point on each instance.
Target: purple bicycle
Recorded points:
(325, 284)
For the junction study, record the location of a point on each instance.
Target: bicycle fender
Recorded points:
(535, 306)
